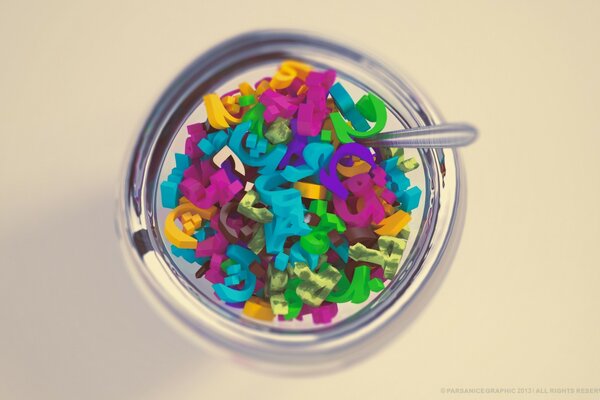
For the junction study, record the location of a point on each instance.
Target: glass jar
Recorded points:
(301, 347)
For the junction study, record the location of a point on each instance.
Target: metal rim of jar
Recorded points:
(355, 337)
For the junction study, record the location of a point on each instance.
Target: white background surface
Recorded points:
(519, 307)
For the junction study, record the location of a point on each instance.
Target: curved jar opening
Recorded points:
(359, 329)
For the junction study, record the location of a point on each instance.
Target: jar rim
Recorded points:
(350, 339)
